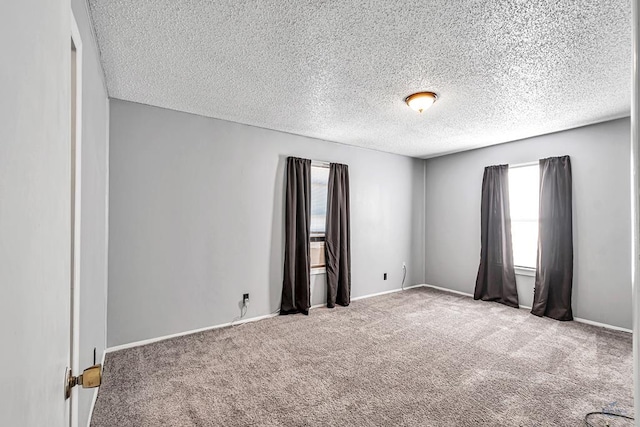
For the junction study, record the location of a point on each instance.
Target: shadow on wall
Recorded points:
(576, 290)
(415, 273)
(276, 263)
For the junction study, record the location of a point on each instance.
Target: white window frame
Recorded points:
(322, 269)
(520, 269)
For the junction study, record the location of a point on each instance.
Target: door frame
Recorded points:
(635, 202)
(74, 356)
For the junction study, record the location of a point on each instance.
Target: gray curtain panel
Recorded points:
(554, 270)
(338, 237)
(296, 286)
(496, 279)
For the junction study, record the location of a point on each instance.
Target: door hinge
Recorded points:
(90, 378)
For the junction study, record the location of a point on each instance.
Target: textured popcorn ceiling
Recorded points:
(340, 70)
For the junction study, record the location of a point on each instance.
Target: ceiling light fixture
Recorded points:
(421, 101)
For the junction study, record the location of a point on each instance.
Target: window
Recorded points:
(524, 185)
(319, 181)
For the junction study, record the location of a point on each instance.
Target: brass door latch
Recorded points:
(90, 378)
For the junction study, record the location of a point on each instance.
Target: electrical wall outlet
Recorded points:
(245, 299)
(385, 276)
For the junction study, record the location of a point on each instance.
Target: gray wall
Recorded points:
(34, 211)
(196, 219)
(93, 262)
(602, 235)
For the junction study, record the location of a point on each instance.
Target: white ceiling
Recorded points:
(340, 70)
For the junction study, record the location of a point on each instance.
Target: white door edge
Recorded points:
(75, 316)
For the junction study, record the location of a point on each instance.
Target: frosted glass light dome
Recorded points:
(421, 101)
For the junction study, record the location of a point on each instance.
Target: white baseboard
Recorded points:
(577, 319)
(449, 290)
(95, 393)
(255, 319)
(224, 325)
(601, 325)
(181, 334)
(377, 294)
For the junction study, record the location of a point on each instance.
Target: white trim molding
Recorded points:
(635, 202)
(601, 325)
(525, 271)
(524, 307)
(318, 270)
(449, 290)
(377, 294)
(77, 214)
(234, 323)
(266, 316)
(106, 221)
(96, 46)
(190, 332)
(95, 393)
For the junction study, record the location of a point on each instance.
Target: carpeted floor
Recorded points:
(421, 357)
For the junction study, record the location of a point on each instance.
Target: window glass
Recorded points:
(524, 184)
(319, 181)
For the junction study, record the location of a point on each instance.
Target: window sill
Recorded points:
(318, 270)
(525, 271)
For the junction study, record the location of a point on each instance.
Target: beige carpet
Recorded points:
(421, 357)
